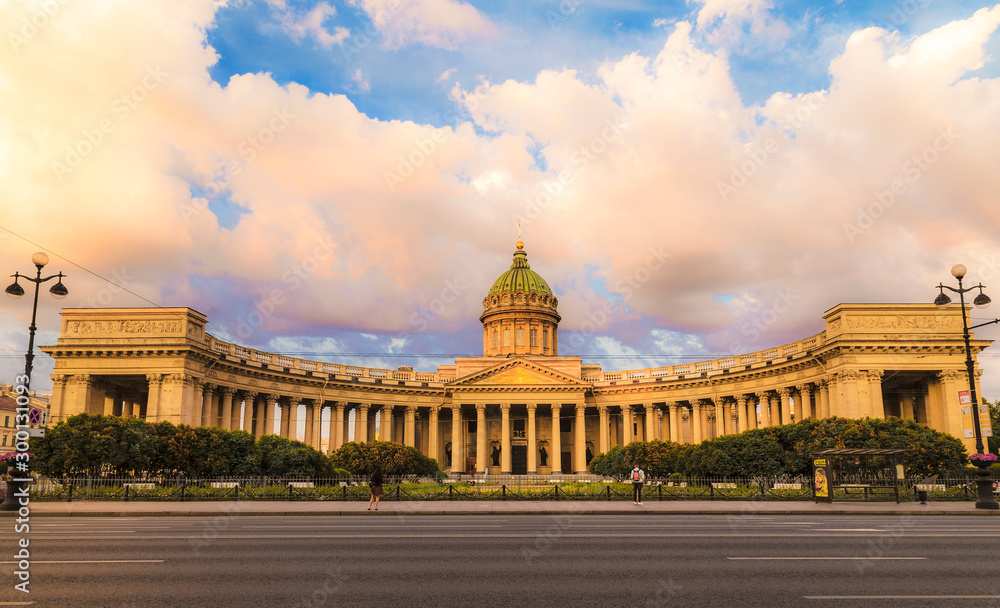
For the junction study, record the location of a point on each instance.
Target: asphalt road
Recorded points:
(527, 560)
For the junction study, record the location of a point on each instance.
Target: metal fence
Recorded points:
(483, 487)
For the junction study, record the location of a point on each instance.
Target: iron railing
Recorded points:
(483, 487)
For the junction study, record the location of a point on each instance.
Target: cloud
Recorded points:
(723, 21)
(310, 25)
(646, 187)
(437, 23)
(360, 80)
(445, 75)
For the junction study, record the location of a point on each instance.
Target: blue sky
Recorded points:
(683, 165)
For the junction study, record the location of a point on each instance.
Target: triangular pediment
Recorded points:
(519, 373)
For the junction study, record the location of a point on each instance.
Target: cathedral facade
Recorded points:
(521, 408)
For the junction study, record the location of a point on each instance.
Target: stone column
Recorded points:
(696, 431)
(876, 407)
(804, 409)
(720, 417)
(410, 426)
(246, 423)
(906, 406)
(433, 449)
(505, 438)
(628, 431)
(361, 423)
(602, 437)
(109, 404)
(661, 432)
(556, 440)
(373, 415)
(650, 422)
(675, 422)
(285, 409)
(227, 407)
(532, 441)
(386, 433)
(307, 432)
(764, 403)
(153, 400)
(823, 399)
(741, 413)
(457, 443)
(481, 436)
(338, 425)
(270, 404)
(259, 415)
(783, 398)
(580, 439)
(317, 429)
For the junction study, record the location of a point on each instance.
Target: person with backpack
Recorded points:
(638, 477)
(375, 485)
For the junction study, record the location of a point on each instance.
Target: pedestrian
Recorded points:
(375, 485)
(638, 477)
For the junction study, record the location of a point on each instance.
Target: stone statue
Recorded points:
(495, 455)
(543, 457)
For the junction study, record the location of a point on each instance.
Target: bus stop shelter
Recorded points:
(858, 473)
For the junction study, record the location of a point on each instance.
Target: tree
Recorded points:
(280, 457)
(394, 459)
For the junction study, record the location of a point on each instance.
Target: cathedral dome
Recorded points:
(519, 313)
(520, 277)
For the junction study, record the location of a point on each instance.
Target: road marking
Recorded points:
(94, 561)
(901, 597)
(820, 558)
(16, 603)
(850, 530)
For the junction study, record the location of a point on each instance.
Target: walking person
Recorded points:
(638, 477)
(375, 485)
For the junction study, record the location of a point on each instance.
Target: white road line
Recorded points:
(821, 558)
(16, 603)
(901, 597)
(94, 561)
(849, 530)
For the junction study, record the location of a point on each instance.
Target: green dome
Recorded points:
(520, 277)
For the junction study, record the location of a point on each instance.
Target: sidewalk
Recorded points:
(510, 507)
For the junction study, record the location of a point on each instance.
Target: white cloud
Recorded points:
(311, 24)
(360, 80)
(722, 21)
(438, 23)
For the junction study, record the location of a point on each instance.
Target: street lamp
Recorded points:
(16, 291)
(16, 486)
(985, 498)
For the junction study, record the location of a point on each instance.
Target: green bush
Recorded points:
(394, 459)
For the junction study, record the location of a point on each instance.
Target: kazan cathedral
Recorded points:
(522, 407)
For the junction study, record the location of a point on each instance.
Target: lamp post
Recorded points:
(16, 291)
(985, 498)
(15, 487)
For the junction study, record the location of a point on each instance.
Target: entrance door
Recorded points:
(519, 459)
(567, 462)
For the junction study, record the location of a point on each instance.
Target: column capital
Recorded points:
(763, 395)
(364, 407)
(649, 406)
(412, 409)
(531, 407)
(672, 406)
(250, 395)
(875, 374)
(784, 391)
(803, 387)
(209, 386)
(154, 377)
(481, 407)
(555, 408)
(741, 400)
(505, 408)
(581, 407)
(228, 391)
(272, 397)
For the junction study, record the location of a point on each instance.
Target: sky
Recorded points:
(344, 180)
